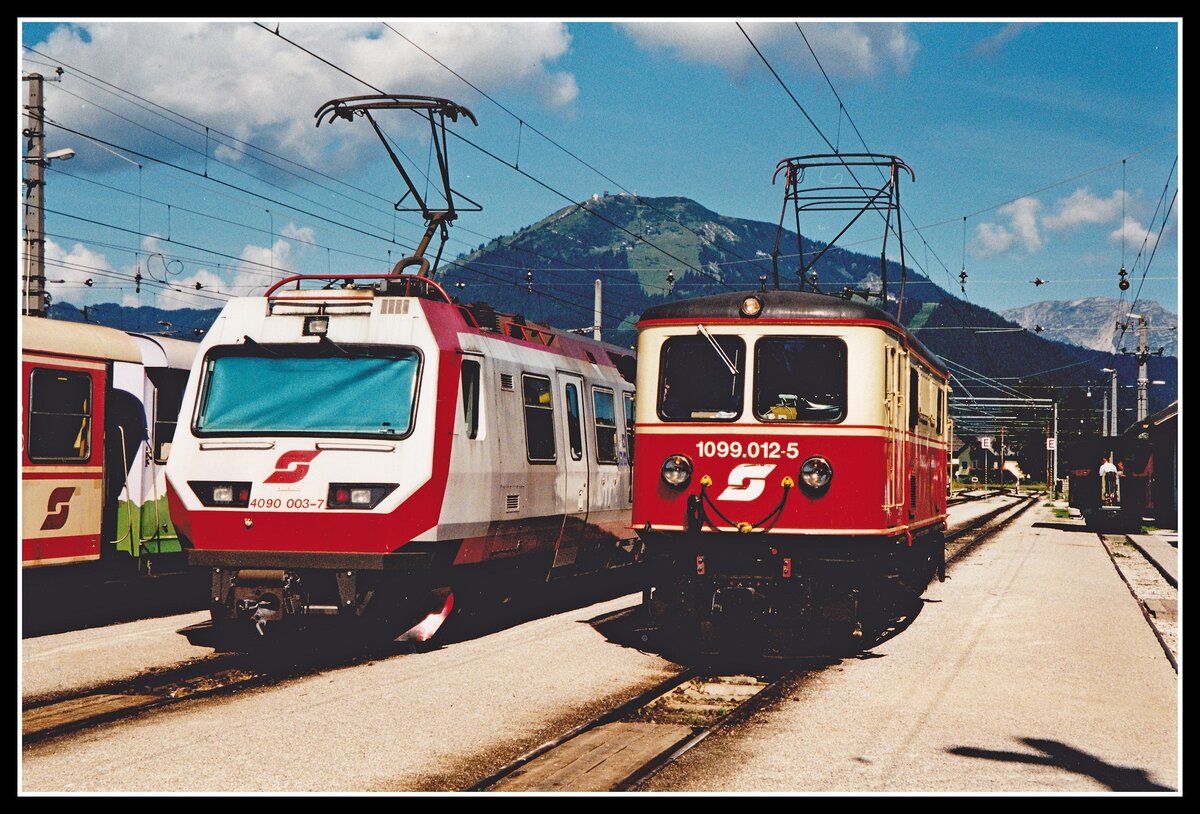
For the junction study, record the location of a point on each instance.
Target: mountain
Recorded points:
(181, 323)
(646, 250)
(1092, 323)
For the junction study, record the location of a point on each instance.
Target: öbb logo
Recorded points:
(292, 466)
(747, 482)
(58, 507)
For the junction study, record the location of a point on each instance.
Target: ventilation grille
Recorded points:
(506, 381)
(512, 503)
(394, 306)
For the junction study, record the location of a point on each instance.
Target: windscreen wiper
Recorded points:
(712, 341)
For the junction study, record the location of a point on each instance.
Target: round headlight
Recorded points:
(816, 473)
(751, 306)
(677, 470)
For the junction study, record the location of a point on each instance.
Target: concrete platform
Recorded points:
(1032, 669)
(1161, 553)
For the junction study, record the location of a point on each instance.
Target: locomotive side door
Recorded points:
(574, 473)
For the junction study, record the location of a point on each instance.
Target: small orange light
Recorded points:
(700, 564)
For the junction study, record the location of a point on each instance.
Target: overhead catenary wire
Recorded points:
(208, 130)
(498, 159)
(523, 124)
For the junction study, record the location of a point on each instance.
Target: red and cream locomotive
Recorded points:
(791, 452)
(791, 455)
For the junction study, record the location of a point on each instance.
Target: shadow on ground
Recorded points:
(746, 647)
(1061, 756)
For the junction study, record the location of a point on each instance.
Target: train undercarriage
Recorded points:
(782, 596)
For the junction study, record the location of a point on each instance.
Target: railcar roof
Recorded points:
(783, 305)
(77, 339)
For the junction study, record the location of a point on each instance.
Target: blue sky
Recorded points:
(1044, 134)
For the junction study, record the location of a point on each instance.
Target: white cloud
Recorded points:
(74, 267)
(259, 267)
(1021, 231)
(1024, 214)
(1133, 232)
(994, 44)
(854, 50)
(1082, 207)
(243, 80)
(991, 239)
(303, 234)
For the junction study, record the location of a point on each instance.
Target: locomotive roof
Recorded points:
(783, 305)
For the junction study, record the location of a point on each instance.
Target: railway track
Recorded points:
(620, 748)
(648, 731)
(219, 674)
(966, 538)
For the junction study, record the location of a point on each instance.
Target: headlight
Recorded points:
(358, 495)
(677, 471)
(751, 306)
(228, 494)
(815, 473)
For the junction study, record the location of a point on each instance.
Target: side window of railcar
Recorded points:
(539, 419)
(696, 382)
(606, 426)
(60, 415)
(574, 424)
(470, 396)
(168, 401)
(629, 424)
(800, 378)
(914, 397)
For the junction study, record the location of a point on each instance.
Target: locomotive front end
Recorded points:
(309, 478)
(778, 479)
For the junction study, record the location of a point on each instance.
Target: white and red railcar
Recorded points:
(791, 454)
(361, 449)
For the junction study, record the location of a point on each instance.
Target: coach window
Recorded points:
(606, 426)
(574, 425)
(698, 383)
(629, 424)
(800, 378)
(60, 415)
(470, 396)
(539, 419)
(168, 401)
(914, 397)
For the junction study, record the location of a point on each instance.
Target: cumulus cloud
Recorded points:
(1082, 207)
(991, 239)
(303, 234)
(994, 44)
(854, 50)
(244, 81)
(259, 267)
(1021, 231)
(74, 267)
(1134, 232)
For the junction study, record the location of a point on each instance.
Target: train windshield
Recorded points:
(698, 383)
(313, 390)
(800, 378)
